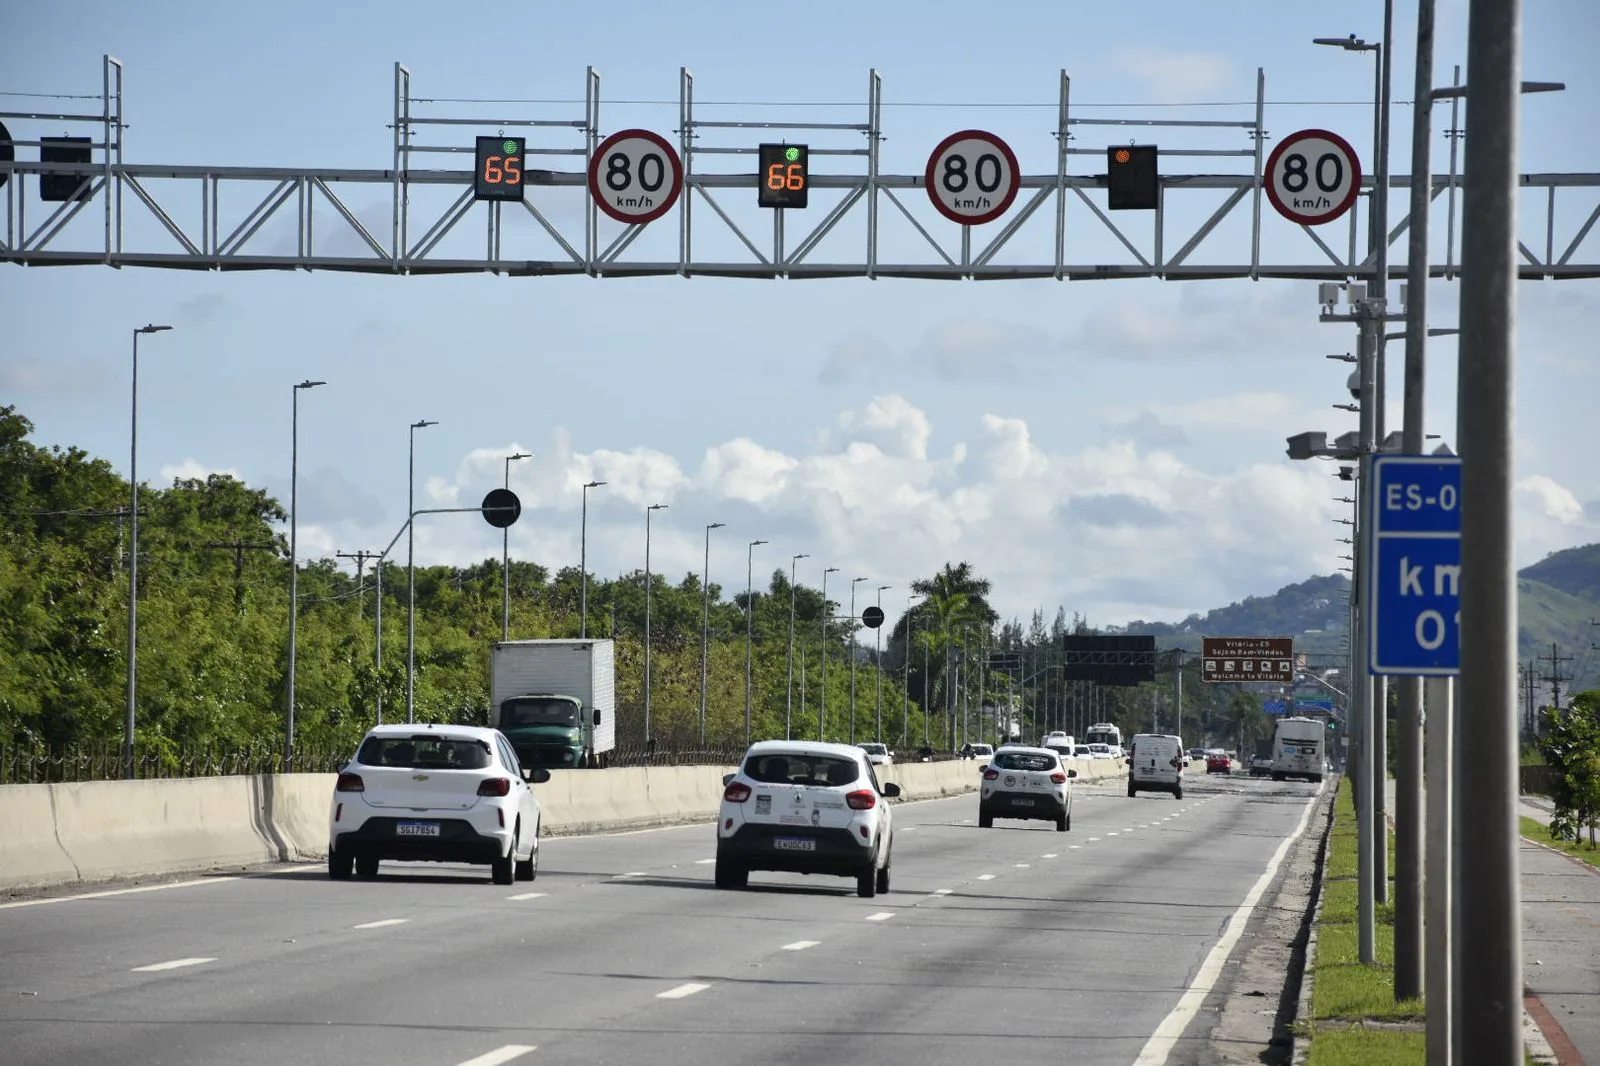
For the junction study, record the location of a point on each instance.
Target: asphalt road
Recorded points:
(1016, 943)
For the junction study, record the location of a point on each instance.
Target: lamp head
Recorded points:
(310, 384)
(658, 507)
(423, 422)
(593, 484)
(754, 543)
(519, 455)
(714, 525)
(152, 329)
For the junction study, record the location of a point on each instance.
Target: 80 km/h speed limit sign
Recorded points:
(635, 176)
(1313, 177)
(972, 177)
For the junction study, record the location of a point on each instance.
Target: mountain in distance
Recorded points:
(1558, 604)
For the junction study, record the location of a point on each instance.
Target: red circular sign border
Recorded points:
(1289, 142)
(1004, 149)
(677, 176)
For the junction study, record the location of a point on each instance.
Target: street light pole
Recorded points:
(822, 672)
(905, 707)
(649, 740)
(130, 722)
(411, 570)
(583, 563)
(877, 663)
(294, 564)
(705, 623)
(505, 558)
(852, 627)
(749, 631)
(788, 706)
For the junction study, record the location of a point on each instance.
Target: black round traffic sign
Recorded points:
(872, 617)
(501, 508)
(8, 153)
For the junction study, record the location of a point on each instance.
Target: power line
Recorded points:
(947, 105)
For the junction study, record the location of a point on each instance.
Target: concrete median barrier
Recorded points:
(30, 852)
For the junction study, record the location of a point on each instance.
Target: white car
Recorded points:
(878, 753)
(806, 807)
(1022, 782)
(437, 793)
(1101, 751)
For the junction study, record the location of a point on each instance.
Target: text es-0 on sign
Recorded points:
(783, 175)
(498, 171)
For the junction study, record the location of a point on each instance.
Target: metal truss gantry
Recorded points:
(237, 218)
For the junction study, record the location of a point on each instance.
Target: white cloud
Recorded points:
(980, 349)
(65, 377)
(1556, 501)
(1172, 75)
(194, 470)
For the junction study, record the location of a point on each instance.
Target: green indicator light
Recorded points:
(791, 154)
(510, 147)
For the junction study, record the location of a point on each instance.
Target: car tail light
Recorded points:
(991, 775)
(350, 783)
(495, 786)
(1059, 778)
(736, 792)
(862, 799)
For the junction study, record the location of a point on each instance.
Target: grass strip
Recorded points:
(1539, 832)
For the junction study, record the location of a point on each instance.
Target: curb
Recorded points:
(1300, 1042)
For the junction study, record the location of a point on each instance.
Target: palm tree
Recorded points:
(955, 602)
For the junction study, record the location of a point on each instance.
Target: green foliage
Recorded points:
(1571, 747)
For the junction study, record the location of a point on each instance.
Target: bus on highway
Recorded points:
(1297, 749)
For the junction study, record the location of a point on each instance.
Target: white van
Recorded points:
(1155, 764)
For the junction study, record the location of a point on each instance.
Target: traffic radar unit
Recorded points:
(497, 171)
(501, 508)
(1132, 180)
(783, 175)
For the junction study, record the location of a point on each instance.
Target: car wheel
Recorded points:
(1177, 792)
(1132, 792)
(1068, 827)
(985, 820)
(502, 871)
(1062, 823)
(527, 869)
(1277, 777)
(366, 866)
(731, 874)
(867, 883)
(340, 863)
(883, 879)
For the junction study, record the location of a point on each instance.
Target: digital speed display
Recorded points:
(784, 175)
(498, 172)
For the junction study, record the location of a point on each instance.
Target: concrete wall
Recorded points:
(100, 830)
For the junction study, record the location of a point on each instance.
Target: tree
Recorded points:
(1571, 747)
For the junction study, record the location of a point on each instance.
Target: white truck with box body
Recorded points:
(555, 700)
(1297, 748)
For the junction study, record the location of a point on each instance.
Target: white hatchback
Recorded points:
(436, 793)
(1023, 782)
(809, 808)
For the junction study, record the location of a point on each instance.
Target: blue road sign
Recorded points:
(1314, 703)
(1414, 582)
(1276, 706)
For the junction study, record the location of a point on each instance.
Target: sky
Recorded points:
(1112, 447)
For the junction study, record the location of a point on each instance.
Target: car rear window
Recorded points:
(424, 752)
(798, 768)
(1023, 760)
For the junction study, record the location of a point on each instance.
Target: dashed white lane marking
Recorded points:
(381, 923)
(1111, 832)
(528, 895)
(1092, 840)
(682, 990)
(943, 891)
(1020, 865)
(881, 916)
(907, 828)
(704, 862)
(500, 1055)
(175, 964)
(801, 945)
(116, 892)
(1160, 1045)
(631, 873)
(1075, 847)
(986, 877)
(1048, 855)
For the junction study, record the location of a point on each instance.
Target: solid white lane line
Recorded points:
(116, 892)
(801, 945)
(381, 923)
(635, 873)
(1160, 1046)
(500, 1055)
(528, 895)
(986, 877)
(704, 862)
(682, 990)
(881, 916)
(905, 829)
(943, 891)
(175, 964)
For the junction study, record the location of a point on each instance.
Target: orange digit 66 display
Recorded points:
(785, 175)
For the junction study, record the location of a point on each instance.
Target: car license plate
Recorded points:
(417, 829)
(1023, 802)
(794, 844)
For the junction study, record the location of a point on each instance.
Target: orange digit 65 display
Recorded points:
(498, 174)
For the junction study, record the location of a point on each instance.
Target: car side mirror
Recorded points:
(538, 777)
(890, 790)
(527, 775)
(727, 779)
(982, 768)
(1072, 773)
(597, 717)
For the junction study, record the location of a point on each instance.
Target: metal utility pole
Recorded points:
(1555, 678)
(852, 630)
(649, 739)
(788, 688)
(239, 547)
(130, 721)
(1440, 945)
(294, 566)
(1369, 775)
(705, 628)
(505, 558)
(411, 569)
(822, 673)
(749, 631)
(583, 568)
(1489, 1003)
(877, 664)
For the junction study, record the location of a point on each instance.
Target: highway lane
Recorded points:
(1080, 943)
